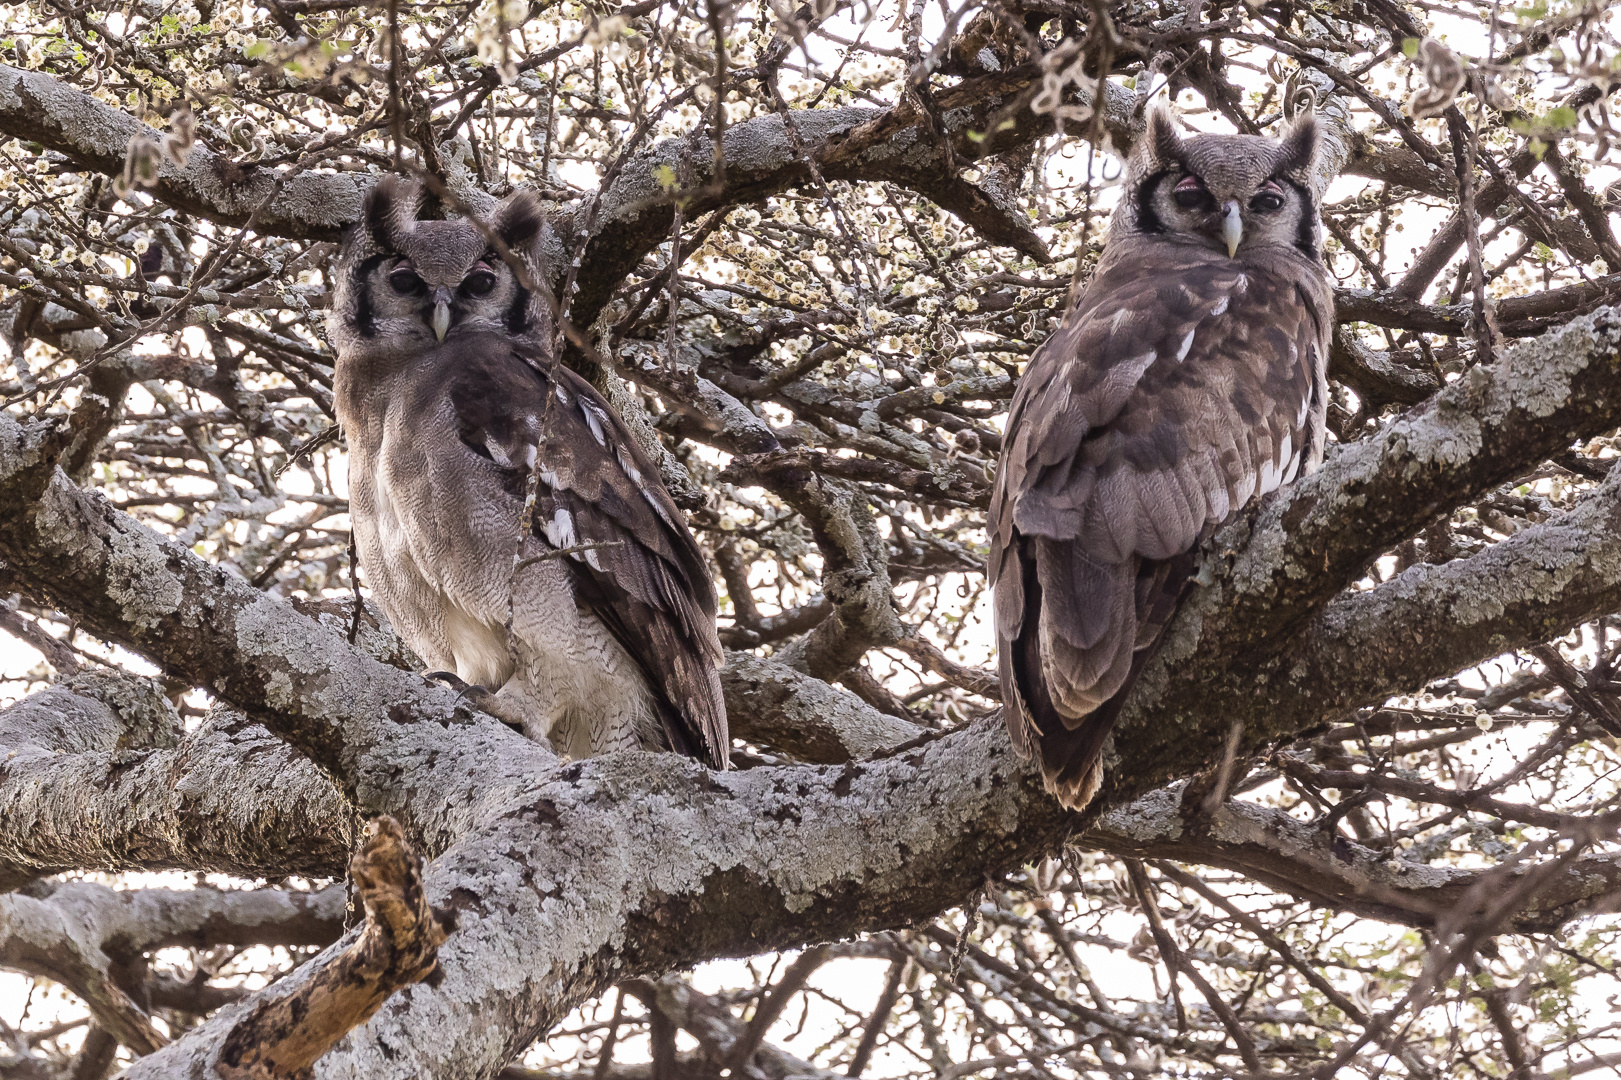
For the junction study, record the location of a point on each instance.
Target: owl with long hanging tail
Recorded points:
(595, 630)
(1187, 380)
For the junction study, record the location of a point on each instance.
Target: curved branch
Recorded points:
(82, 935)
(38, 108)
(229, 798)
(1328, 868)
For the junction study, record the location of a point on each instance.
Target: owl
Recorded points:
(1187, 380)
(451, 398)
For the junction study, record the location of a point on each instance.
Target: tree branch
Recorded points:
(398, 947)
(38, 108)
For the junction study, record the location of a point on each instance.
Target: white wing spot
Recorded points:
(659, 510)
(595, 422)
(562, 395)
(1270, 475)
(1182, 350)
(1221, 306)
(1245, 489)
(560, 530)
(631, 470)
(498, 455)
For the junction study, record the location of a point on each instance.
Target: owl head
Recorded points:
(1232, 193)
(407, 283)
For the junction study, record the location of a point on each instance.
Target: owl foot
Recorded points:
(480, 698)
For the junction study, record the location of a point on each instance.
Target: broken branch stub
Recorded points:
(399, 946)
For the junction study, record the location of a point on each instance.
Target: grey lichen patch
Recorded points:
(1538, 374)
(104, 131)
(1449, 436)
(136, 576)
(1155, 816)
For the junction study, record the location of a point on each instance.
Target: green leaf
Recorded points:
(1560, 118)
(1409, 47)
(256, 50)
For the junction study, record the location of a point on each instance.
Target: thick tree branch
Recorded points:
(228, 797)
(38, 108)
(639, 863)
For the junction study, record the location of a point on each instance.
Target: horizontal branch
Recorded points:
(1518, 316)
(228, 797)
(948, 483)
(1325, 867)
(640, 863)
(86, 936)
(804, 717)
(36, 107)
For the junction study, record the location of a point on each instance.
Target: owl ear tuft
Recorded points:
(1297, 151)
(1160, 139)
(391, 207)
(518, 220)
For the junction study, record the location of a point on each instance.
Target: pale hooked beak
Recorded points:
(1232, 227)
(441, 312)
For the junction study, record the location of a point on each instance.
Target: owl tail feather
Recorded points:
(1068, 751)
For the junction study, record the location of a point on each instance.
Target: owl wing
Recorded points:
(1162, 406)
(632, 561)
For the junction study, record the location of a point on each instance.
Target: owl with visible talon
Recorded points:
(453, 403)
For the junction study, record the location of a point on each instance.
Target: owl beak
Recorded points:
(1232, 226)
(441, 312)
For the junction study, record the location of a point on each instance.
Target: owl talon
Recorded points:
(450, 679)
(482, 699)
(447, 377)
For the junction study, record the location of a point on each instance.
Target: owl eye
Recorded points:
(405, 281)
(1267, 200)
(1190, 193)
(478, 283)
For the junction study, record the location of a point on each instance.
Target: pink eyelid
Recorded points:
(1189, 183)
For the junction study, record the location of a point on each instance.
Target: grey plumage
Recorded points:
(449, 395)
(1187, 379)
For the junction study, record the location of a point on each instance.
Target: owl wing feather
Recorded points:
(1167, 400)
(601, 505)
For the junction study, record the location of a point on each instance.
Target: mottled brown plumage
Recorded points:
(1186, 380)
(449, 395)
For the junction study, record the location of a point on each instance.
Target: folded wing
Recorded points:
(1162, 406)
(601, 505)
